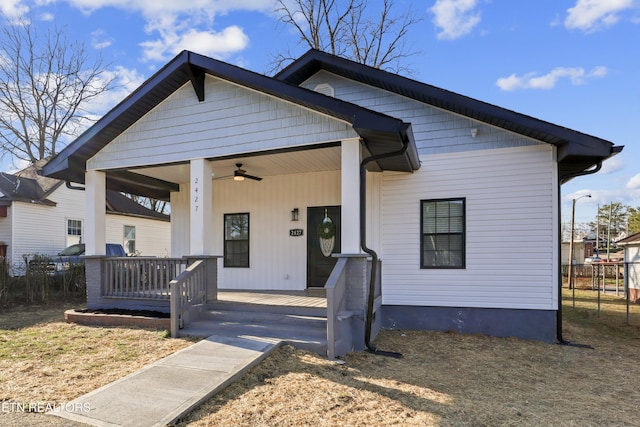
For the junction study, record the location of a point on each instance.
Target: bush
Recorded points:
(37, 282)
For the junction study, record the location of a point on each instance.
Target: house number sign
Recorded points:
(295, 232)
(195, 195)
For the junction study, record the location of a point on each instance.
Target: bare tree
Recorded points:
(345, 28)
(46, 83)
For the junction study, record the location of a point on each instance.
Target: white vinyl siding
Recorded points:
(231, 120)
(436, 131)
(41, 229)
(153, 237)
(278, 261)
(511, 234)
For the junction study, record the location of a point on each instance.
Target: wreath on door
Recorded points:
(326, 235)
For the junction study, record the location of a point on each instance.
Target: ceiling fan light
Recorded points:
(238, 178)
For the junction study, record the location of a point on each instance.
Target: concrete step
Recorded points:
(306, 332)
(267, 308)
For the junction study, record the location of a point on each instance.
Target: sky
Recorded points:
(574, 63)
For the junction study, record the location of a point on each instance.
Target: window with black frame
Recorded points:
(236, 240)
(443, 233)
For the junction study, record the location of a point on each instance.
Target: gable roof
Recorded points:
(632, 239)
(19, 189)
(118, 203)
(578, 153)
(381, 133)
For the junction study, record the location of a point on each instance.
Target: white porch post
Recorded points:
(95, 203)
(201, 208)
(350, 210)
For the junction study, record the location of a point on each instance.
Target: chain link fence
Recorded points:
(605, 283)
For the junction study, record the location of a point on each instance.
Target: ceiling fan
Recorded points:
(240, 174)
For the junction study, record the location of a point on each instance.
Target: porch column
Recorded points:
(95, 206)
(201, 208)
(350, 210)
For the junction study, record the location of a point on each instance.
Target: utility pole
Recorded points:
(573, 217)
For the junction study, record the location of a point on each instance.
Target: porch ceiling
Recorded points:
(264, 165)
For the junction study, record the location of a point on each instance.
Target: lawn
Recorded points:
(444, 379)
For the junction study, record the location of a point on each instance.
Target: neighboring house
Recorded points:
(579, 250)
(631, 245)
(460, 199)
(40, 215)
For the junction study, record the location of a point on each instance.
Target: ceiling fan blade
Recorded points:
(255, 178)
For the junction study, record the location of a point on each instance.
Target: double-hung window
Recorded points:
(236, 240)
(442, 233)
(74, 231)
(129, 239)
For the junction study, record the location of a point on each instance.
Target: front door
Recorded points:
(323, 239)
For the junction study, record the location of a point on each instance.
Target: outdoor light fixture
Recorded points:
(474, 132)
(294, 214)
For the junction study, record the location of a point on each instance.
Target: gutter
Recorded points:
(561, 179)
(363, 244)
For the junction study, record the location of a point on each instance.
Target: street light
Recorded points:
(573, 216)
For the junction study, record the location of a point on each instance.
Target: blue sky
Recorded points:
(574, 63)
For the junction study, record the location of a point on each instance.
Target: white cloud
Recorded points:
(46, 17)
(455, 18)
(634, 182)
(611, 165)
(216, 44)
(576, 76)
(177, 25)
(13, 8)
(592, 15)
(100, 39)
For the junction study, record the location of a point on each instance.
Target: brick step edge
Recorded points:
(99, 319)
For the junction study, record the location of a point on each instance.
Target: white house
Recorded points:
(631, 245)
(40, 215)
(439, 187)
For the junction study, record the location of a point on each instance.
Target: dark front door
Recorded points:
(323, 239)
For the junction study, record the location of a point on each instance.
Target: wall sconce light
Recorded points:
(474, 132)
(294, 214)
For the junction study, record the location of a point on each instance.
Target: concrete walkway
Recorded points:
(161, 393)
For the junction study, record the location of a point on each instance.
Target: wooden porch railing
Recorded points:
(188, 290)
(139, 277)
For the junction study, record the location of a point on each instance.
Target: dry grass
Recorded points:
(444, 379)
(447, 379)
(44, 360)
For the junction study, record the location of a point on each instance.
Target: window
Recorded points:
(129, 240)
(443, 233)
(74, 231)
(236, 240)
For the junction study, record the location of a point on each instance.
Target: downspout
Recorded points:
(559, 337)
(371, 252)
(70, 186)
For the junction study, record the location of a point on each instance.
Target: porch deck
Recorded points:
(316, 298)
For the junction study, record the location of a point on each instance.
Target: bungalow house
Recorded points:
(338, 175)
(40, 215)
